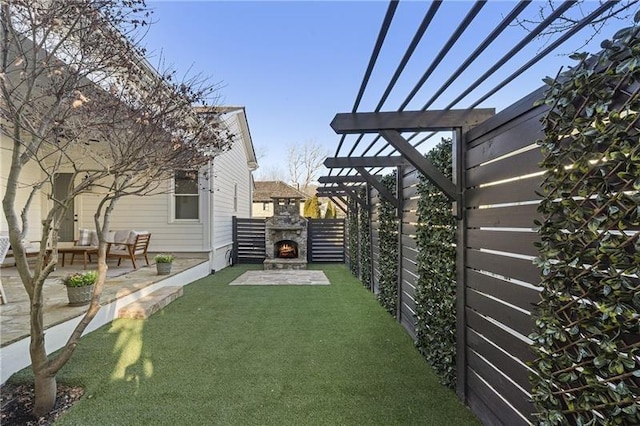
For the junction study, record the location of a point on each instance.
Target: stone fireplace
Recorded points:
(286, 236)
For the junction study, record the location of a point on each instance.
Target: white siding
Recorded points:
(30, 174)
(151, 213)
(230, 169)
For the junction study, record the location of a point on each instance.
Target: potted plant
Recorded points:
(80, 287)
(163, 263)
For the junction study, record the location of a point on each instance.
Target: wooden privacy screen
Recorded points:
(326, 240)
(500, 279)
(501, 282)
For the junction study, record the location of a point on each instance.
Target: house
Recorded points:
(264, 192)
(196, 221)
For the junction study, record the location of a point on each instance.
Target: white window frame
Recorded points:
(174, 196)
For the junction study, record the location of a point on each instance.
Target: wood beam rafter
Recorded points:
(421, 163)
(352, 162)
(341, 205)
(349, 191)
(409, 121)
(343, 179)
(382, 190)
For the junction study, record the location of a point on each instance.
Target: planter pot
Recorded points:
(163, 268)
(79, 296)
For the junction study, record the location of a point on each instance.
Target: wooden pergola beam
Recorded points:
(341, 205)
(352, 162)
(352, 193)
(409, 121)
(343, 179)
(382, 190)
(421, 163)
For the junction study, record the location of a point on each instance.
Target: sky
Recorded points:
(295, 64)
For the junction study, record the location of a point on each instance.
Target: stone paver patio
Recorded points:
(282, 277)
(121, 281)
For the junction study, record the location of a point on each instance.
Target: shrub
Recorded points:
(164, 258)
(80, 279)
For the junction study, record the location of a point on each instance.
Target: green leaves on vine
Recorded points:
(388, 249)
(436, 286)
(365, 241)
(587, 338)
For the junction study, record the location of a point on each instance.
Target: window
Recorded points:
(235, 197)
(186, 195)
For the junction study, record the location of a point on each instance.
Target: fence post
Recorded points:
(234, 221)
(459, 150)
(309, 240)
(399, 209)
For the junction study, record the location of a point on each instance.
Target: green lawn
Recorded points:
(263, 355)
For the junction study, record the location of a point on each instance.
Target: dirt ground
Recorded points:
(17, 403)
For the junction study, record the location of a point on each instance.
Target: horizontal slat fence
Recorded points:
(374, 202)
(502, 177)
(249, 240)
(326, 241)
(408, 249)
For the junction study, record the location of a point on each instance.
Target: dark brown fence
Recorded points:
(326, 240)
(248, 240)
(500, 280)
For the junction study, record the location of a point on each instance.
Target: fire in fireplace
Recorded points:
(286, 249)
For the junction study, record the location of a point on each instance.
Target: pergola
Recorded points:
(372, 141)
(376, 140)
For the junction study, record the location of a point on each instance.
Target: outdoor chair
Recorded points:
(136, 245)
(4, 248)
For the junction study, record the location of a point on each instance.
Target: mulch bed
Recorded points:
(17, 403)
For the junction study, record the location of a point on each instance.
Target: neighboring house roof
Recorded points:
(266, 190)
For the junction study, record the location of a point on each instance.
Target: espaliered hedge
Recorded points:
(365, 242)
(435, 293)
(587, 338)
(354, 240)
(388, 249)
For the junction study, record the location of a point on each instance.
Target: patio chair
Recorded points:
(4, 248)
(136, 245)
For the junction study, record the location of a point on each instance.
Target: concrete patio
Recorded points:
(124, 285)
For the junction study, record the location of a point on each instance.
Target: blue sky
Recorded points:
(295, 64)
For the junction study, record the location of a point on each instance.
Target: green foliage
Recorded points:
(436, 285)
(354, 240)
(80, 279)
(388, 249)
(331, 212)
(312, 207)
(587, 340)
(365, 242)
(164, 258)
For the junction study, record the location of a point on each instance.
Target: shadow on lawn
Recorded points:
(132, 364)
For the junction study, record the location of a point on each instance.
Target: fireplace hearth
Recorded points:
(286, 236)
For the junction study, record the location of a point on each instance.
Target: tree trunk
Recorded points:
(46, 388)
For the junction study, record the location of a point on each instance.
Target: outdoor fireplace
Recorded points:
(286, 236)
(286, 249)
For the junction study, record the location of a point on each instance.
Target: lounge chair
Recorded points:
(136, 245)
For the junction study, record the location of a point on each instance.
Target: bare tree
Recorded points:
(77, 96)
(273, 172)
(305, 163)
(620, 10)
